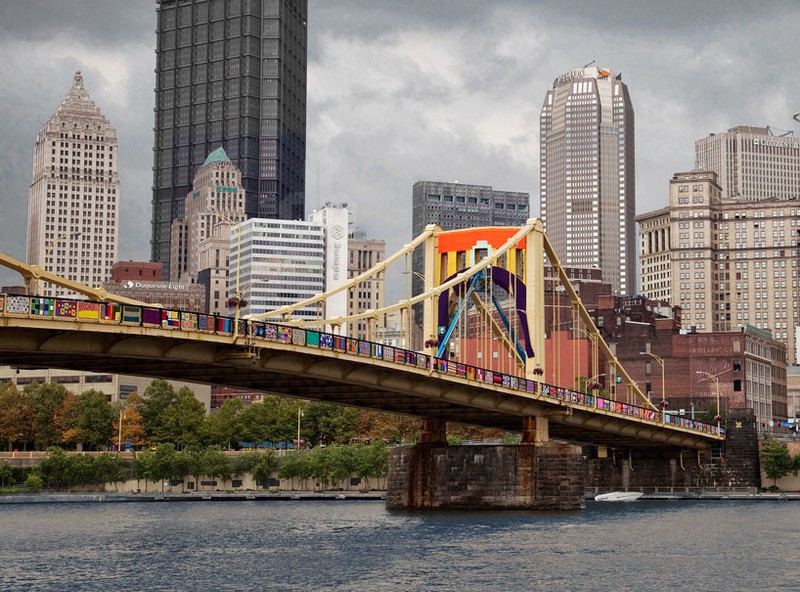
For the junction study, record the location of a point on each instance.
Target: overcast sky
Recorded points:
(408, 90)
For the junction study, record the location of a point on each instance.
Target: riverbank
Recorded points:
(244, 496)
(218, 496)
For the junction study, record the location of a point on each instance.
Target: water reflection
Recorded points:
(357, 545)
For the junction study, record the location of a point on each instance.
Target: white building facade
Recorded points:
(334, 219)
(281, 263)
(751, 163)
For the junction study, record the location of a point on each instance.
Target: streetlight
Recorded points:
(238, 293)
(119, 435)
(592, 384)
(715, 378)
(49, 248)
(299, 415)
(660, 361)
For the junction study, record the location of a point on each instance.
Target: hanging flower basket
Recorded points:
(538, 371)
(432, 343)
(717, 418)
(663, 405)
(234, 302)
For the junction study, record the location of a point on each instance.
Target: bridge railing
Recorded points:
(64, 309)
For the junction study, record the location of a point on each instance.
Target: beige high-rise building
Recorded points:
(729, 262)
(200, 241)
(751, 163)
(587, 176)
(364, 253)
(73, 198)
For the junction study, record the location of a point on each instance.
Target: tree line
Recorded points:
(45, 415)
(326, 466)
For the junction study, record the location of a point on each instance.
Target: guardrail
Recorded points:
(64, 309)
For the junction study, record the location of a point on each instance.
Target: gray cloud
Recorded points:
(406, 90)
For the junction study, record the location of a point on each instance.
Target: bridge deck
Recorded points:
(316, 366)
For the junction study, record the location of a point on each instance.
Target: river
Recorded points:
(359, 546)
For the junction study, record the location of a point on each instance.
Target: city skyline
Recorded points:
(401, 92)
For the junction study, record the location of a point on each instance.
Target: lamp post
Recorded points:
(238, 294)
(299, 415)
(48, 248)
(591, 384)
(660, 361)
(715, 378)
(119, 434)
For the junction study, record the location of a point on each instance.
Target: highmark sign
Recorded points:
(131, 285)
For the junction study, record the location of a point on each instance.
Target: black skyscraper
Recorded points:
(230, 73)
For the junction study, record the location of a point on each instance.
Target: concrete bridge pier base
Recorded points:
(545, 476)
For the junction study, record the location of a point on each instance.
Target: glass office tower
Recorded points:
(230, 73)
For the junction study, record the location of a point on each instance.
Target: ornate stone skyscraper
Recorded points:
(73, 199)
(230, 73)
(588, 196)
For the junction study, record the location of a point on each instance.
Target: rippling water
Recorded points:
(358, 545)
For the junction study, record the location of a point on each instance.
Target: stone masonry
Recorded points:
(541, 477)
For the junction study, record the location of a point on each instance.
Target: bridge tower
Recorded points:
(515, 273)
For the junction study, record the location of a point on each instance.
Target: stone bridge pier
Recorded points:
(537, 475)
(549, 475)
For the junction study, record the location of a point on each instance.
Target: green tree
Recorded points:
(325, 423)
(83, 470)
(6, 474)
(775, 460)
(143, 467)
(225, 426)
(95, 419)
(217, 464)
(256, 423)
(57, 469)
(164, 464)
(372, 461)
(342, 462)
(273, 419)
(47, 400)
(157, 398)
(296, 466)
(321, 465)
(110, 468)
(182, 421)
(33, 482)
(260, 465)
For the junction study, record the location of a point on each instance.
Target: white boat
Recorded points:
(619, 496)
